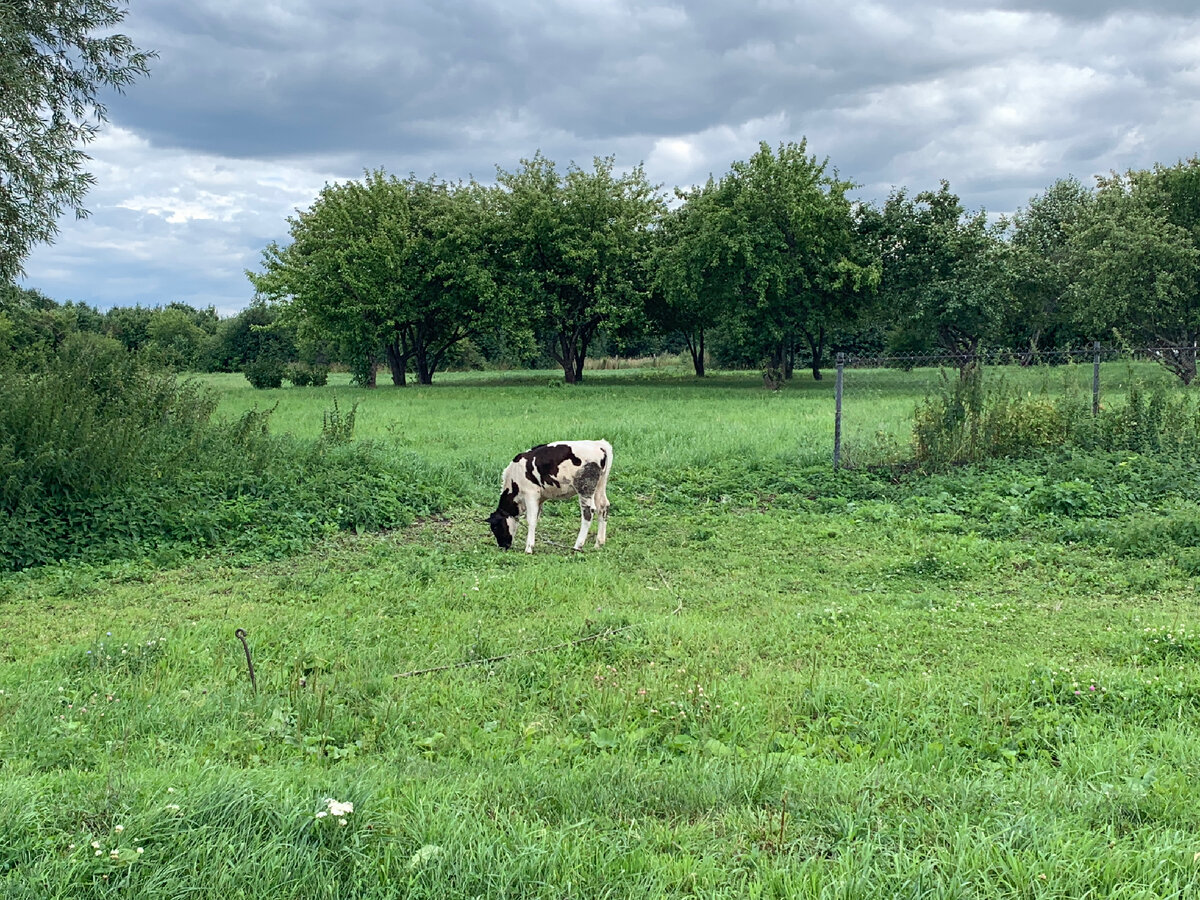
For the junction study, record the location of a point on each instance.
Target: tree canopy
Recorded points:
(56, 62)
(577, 249)
(1137, 262)
(391, 269)
(942, 271)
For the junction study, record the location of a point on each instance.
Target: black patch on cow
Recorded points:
(587, 514)
(505, 510)
(498, 522)
(508, 502)
(603, 458)
(542, 462)
(586, 479)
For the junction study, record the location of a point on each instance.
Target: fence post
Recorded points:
(1095, 379)
(837, 413)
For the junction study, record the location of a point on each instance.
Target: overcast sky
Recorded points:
(252, 106)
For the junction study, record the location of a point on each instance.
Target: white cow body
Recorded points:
(554, 472)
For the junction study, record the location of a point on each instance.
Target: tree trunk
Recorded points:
(421, 356)
(777, 357)
(398, 363)
(816, 346)
(695, 346)
(566, 358)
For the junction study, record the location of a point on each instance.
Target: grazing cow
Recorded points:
(552, 472)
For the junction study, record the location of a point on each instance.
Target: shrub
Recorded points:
(338, 427)
(101, 459)
(305, 375)
(264, 372)
(1150, 421)
(967, 423)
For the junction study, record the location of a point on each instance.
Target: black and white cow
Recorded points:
(552, 472)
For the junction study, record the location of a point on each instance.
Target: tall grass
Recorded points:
(102, 458)
(977, 416)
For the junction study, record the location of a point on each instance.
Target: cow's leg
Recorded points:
(532, 507)
(587, 511)
(601, 500)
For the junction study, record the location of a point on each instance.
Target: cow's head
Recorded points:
(504, 527)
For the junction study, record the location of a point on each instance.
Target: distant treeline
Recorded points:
(33, 327)
(773, 264)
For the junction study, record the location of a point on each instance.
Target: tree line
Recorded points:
(771, 265)
(34, 328)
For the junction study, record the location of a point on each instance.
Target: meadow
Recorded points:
(775, 680)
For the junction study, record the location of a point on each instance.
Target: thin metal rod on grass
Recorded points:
(241, 636)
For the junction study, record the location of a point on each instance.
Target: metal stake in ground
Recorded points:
(241, 636)
(837, 413)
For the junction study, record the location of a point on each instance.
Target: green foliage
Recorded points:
(942, 271)
(1037, 312)
(306, 375)
(1136, 261)
(1151, 420)
(57, 65)
(338, 427)
(576, 248)
(264, 372)
(968, 422)
(176, 337)
(387, 269)
(101, 458)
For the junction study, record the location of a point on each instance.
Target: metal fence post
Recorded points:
(837, 413)
(1095, 378)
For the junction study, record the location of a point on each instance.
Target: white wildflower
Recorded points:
(337, 808)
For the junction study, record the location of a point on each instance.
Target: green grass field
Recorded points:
(774, 681)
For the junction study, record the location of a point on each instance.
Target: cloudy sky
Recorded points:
(252, 106)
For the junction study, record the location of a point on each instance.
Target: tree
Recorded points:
(174, 335)
(129, 325)
(54, 67)
(28, 326)
(694, 271)
(448, 259)
(789, 229)
(1039, 266)
(254, 333)
(576, 249)
(941, 272)
(388, 268)
(1136, 257)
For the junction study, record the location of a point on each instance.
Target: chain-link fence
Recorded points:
(1181, 360)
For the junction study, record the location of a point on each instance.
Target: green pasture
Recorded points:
(774, 681)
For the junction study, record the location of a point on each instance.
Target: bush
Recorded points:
(337, 427)
(305, 375)
(966, 423)
(101, 459)
(264, 372)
